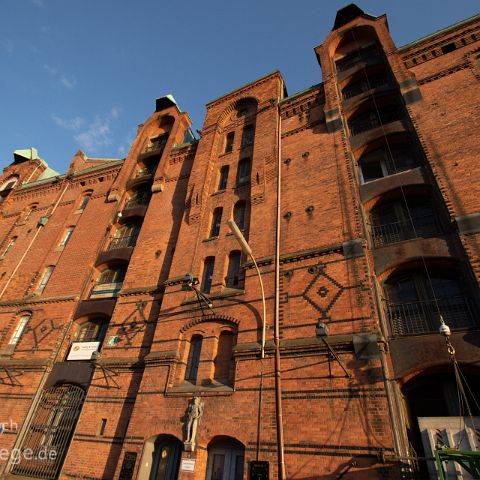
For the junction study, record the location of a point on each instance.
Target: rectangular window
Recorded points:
(222, 183)
(208, 274)
(229, 142)
(45, 278)
(11, 243)
(193, 359)
(244, 169)
(247, 138)
(66, 237)
(19, 330)
(233, 270)
(216, 222)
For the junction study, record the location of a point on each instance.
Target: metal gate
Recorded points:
(48, 437)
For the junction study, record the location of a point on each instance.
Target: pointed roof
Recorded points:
(347, 14)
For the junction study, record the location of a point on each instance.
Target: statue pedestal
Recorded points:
(189, 446)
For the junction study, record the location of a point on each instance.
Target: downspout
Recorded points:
(278, 382)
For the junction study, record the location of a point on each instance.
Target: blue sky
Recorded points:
(84, 73)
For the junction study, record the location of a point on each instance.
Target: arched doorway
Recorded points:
(161, 458)
(225, 459)
(436, 416)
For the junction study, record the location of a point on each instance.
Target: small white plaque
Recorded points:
(82, 350)
(187, 465)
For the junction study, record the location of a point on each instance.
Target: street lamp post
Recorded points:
(248, 251)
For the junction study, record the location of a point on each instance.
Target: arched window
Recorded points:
(239, 211)
(416, 300)
(85, 200)
(29, 212)
(125, 236)
(66, 236)
(9, 183)
(45, 279)
(216, 222)
(233, 274)
(222, 182)
(248, 135)
(19, 329)
(208, 267)
(244, 169)
(223, 360)
(109, 281)
(93, 330)
(229, 142)
(193, 360)
(112, 275)
(10, 244)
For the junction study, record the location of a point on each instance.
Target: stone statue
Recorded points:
(194, 415)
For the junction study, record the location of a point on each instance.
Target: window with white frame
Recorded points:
(66, 236)
(19, 329)
(45, 278)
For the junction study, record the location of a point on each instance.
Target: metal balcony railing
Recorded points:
(144, 172)
(122, 242)
(363, 55)
(423, 317)
(137, 201)
(105, 290)
(372, 121)
(419, 227)
(362, 87)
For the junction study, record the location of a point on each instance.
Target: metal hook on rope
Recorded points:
(445, 331)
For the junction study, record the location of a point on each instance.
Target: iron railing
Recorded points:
(362, 55)
(49, 434)
(374, 120)
(423, 316)
(122, 242)
(137, 201)
(144, 172)
(105, 290)
(362, 87)
(426, 226)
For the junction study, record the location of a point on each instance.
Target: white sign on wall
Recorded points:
(187, 465)
(83, 350)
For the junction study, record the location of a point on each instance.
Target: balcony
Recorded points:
(426, 226)
(135, 206)
(422, 316)
(119, 249)
(372, 120)
(144, 175)
(358, 88)
(154, 149)
(105, 290)
(351, 63)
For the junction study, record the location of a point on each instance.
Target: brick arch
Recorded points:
(224, 115)
(216, 318)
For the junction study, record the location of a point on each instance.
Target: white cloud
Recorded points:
(98, 134)
(68, 83)
(51, 70)
(65, 81)
(127, 143)
(68, 124)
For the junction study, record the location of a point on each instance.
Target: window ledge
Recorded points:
(186, 389)
(241, 185)
(210, 239)
(218, 192)
(79, 211)
(229, 292)
(225, 153)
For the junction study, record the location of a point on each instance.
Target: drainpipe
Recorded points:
(278, 382)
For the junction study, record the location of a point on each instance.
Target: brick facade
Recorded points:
(378, 207)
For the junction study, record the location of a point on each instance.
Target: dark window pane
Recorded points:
(222, 184)
(193, 359)
(233, 270)
(229, 142)
(208, 274)
(371, 171)
(239, 214)
(216, 222)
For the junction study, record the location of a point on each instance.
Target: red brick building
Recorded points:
(360, 200)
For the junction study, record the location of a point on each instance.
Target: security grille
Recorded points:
(46, 442)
